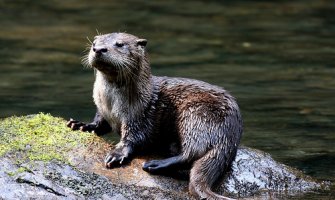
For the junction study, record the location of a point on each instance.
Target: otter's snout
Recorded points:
(99, 50)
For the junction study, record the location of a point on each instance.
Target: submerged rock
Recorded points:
(76, 171)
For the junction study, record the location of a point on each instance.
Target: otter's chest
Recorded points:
(108, 102)
(113, 102)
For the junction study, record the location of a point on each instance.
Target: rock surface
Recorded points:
(255, 174)
(54, 180)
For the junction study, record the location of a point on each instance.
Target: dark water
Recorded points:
(277, 58)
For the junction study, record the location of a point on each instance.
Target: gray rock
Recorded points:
(254, 173)
(54, 180)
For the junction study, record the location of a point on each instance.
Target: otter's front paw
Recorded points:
(116, 158)
(77, 125)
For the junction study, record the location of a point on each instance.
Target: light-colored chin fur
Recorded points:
(121, 101)
(116, 68)
(92, 61)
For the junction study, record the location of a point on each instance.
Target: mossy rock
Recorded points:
(40, 137)
(41, 158)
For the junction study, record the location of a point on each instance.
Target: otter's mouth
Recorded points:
(104, 67)
(101, 63)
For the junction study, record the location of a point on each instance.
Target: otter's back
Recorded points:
(184, 93)
(183, 98)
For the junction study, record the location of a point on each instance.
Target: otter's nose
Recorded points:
(99, 50)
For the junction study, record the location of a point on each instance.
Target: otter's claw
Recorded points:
(74, 124)
(77, 125)
(112, 162)
(116, 159)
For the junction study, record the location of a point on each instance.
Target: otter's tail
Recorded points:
(209, 170)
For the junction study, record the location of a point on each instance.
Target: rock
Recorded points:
(255, 171)
(82, 175)
(54, 180)
(26, 184)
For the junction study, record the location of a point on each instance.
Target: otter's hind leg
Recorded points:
(165, 165)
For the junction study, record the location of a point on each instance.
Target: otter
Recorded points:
(201, 120)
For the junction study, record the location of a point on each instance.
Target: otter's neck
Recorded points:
(125, 99)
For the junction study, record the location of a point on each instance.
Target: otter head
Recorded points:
(118, 55)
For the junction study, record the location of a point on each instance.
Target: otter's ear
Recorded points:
(141, 42)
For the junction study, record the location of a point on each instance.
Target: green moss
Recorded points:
(10, 173)
(18, 171)
(39, 137)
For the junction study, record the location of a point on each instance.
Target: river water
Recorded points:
(277, 58)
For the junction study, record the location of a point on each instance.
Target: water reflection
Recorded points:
(277, 58)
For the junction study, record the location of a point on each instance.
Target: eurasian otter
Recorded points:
(203, 120)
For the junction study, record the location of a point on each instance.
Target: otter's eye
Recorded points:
(119, 44)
